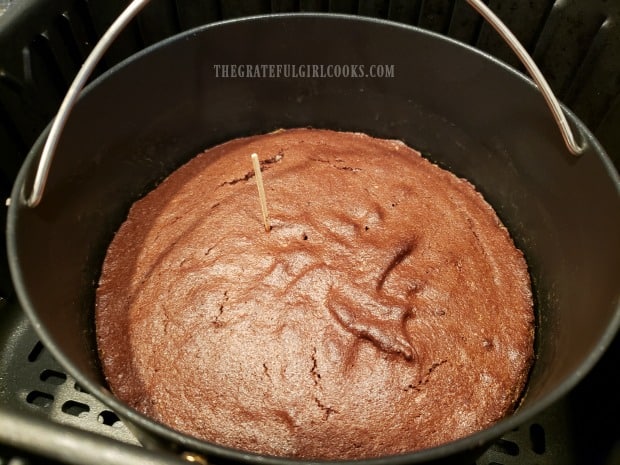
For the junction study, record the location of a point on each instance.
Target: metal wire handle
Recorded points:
(136, 6)
(552, 102)
(73, 94)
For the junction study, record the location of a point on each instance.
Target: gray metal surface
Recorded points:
(32, 381)
(5, 4)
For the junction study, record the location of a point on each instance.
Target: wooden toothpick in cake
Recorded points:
(261, 191)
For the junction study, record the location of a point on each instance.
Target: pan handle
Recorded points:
(136, 6)
(73, 94)
(552, 102)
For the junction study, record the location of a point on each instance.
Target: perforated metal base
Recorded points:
(32, 381)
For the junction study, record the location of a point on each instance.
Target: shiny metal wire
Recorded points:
(73, 94)
(552, 102)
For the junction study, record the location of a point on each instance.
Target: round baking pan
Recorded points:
(466, 111)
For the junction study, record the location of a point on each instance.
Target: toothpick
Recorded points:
(261, 191)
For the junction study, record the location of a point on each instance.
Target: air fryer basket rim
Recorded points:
(135, 418)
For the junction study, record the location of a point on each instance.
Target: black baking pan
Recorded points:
(463, 109)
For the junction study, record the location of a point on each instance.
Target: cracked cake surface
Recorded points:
(386, 311)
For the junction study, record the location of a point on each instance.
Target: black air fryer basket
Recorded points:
(46, 416)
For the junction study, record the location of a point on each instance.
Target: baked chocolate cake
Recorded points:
(386, 311)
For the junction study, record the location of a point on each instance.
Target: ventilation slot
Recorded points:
(77, 409)
(591, 92)
(537, 438)
(10, 101)
(512, 14)
(46, 73)
(109, 418)
(79, 388)
(465, 23)
(35, 352)
(374, 8)
(53, 377)
(237, 8)
(158, 21)
(343, 6)
(564, 44)
(40, 399)
(191, 13)
(76, 50)
(101, 16)
(313, 5)
(436, 16)
(506, 447)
